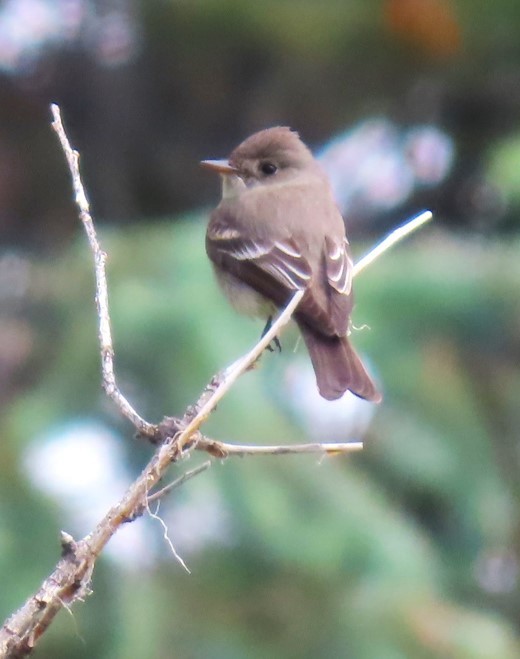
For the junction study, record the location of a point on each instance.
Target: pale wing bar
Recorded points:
(339, 266)
(281, 259)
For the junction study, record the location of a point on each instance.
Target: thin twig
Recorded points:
(105, 333)
(223, 449)
(166, 537)
(397, 234)
(160, 494)
(235, 371)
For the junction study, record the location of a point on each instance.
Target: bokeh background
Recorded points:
(408, 550)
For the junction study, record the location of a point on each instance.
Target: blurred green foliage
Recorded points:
(380, 555)
(410, 549)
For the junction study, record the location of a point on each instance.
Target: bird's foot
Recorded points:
(276, 340)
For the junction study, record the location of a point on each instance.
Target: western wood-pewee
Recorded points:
(277, 230)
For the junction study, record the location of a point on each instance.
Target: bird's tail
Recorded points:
(337, 367)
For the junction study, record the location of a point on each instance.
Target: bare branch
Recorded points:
(105, 333)
(70, 579)
(393, 238)
(206, 405)
(223, 449)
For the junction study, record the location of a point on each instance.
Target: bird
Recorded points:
(277, 230)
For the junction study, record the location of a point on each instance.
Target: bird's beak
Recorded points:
(220, 166)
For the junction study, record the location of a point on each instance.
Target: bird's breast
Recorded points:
(242, 297)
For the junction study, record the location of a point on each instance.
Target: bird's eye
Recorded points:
(268, 168)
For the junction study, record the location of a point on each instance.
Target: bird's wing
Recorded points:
(278, 268)
(274, 268)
